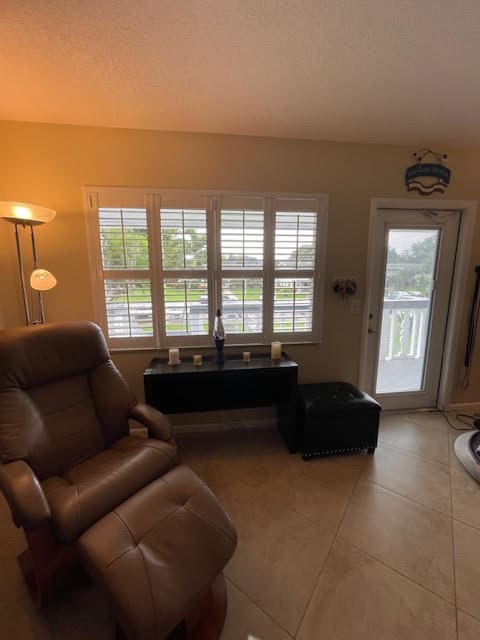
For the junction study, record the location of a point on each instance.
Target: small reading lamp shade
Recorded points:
(42, 280)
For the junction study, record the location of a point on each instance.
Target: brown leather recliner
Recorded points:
(66, 454)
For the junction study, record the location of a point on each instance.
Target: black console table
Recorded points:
(232, 384)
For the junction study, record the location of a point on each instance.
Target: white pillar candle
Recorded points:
(246, 356)
(197, 360)
(173, 356)
(276, 350)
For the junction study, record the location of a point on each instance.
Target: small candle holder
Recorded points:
(246, 356)
(276, 350)
(173, 356)
(197, 360)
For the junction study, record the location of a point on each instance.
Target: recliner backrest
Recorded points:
(61, 397)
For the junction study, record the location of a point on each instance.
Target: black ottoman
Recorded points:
(335, 417)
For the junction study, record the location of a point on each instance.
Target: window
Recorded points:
(125, 263)
(295, 248)
(164, 261)
(241, 273)
(184, 260)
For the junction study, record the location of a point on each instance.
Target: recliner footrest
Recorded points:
(156, 554)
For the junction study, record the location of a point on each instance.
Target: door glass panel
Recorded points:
(407, 298)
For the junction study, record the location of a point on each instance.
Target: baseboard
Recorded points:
(264, 423)
(465, 407)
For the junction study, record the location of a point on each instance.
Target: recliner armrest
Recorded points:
(156, 423)
(24, 495)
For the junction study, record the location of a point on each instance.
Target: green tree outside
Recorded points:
(184, 250)
(135, 255)
(411, 271)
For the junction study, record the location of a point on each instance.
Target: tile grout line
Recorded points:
(413, 453)
(467, 613)
(325, 530)
(335, 536)
(452, 470)
(466, 524)
(410, 579)
(452, 604)
(453, 535)
(420, 504)
(428, 426)
(317, 525)
(419, 455)
(396, 493)
(250, 599)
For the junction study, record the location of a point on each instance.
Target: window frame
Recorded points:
(150, 199)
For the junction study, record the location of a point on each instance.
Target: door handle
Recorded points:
(372, 330)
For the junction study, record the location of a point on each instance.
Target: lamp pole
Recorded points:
(35, 266)
(22, 275)
(40, 279)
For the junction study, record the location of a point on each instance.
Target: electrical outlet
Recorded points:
(355, 306)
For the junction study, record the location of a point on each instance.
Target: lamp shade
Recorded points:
(42, 280)
(21, 213)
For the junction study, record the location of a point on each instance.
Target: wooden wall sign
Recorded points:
(428, 177)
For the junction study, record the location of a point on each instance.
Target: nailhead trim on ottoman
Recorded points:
(336, 417)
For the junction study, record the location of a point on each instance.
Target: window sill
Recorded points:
(204, 348)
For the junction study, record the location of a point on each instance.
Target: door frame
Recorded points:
(468, 210)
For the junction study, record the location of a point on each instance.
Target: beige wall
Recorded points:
(49, 165)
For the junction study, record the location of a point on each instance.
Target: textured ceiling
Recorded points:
(394, 71)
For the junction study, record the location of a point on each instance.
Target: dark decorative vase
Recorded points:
(219, 342)
(219, 336)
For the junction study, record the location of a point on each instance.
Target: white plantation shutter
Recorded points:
(295, 237)
(242, 239)
(296, 291)
(293, 307)
(186, 307)
(242, 305)
(126, 272)
(129, 308)
(164, 261)
(241, 278)
(185, 266)
(123, 238)
(184, 238)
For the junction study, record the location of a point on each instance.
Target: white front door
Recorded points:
(413, 263)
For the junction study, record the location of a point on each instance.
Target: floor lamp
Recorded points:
(29, 216)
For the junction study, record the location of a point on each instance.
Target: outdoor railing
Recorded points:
(404, 322)
(247, 317)
(404, 328)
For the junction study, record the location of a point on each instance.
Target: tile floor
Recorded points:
(359, 547)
